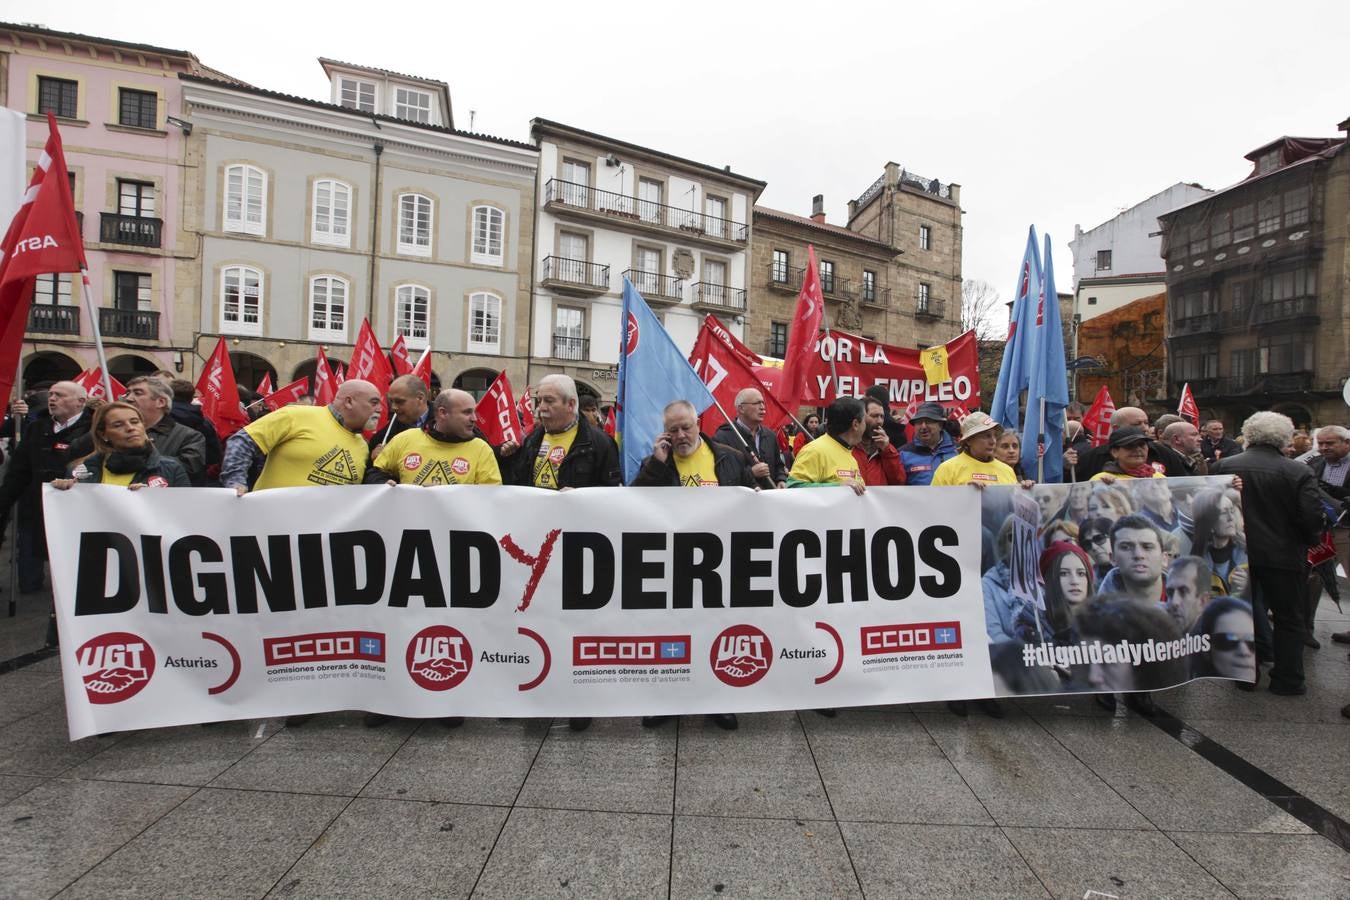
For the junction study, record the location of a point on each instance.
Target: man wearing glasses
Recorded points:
(761, 442)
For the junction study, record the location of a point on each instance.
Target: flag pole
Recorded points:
(98, 335)
(1040, 445)
(768, 481)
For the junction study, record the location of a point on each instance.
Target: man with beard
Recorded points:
(878, 460)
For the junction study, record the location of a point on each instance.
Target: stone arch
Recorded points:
(476, 381)
(1301, 415)
(249, 369)
(49, 365)
(306, 369)
(130, 365)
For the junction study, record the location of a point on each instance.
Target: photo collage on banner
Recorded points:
(1134, 585)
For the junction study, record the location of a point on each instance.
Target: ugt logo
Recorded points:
(439, 657)
(115, 666)
(741, 655)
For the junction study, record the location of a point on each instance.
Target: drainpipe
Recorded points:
(374, 235)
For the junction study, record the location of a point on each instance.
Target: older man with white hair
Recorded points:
(1283, 513)
(748, 433)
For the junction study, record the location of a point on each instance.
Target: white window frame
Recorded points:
(344, 80)
(55, 286)
(405, 320)
(332, 227)
(238, 325)
(327, 284)
(402, 106)
(925, 237)
(415, 246)
(491, 339)
(483, 237)
(238, 212)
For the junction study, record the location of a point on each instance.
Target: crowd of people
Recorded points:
(1125, 554)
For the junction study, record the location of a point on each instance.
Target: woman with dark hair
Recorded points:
(1068, 579)
(1094, 536)
(1218, 535)
(1232, 640)
(802, 438)
(123, 454)
(1112, 618)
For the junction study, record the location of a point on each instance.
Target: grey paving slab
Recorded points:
(1172, 786)
(12, 786)
(484, 761)
(331, 754)
(760, 858)
(189, 754)
(937, 861)
(56, 832)
(40, 744)
(1119, 863)
(26, 692)
(880, 765)
(394, 848)
(1212, 699)
(615, 766)
(1272, 865)
(216, 844)
(569, 853)
(1024, 777)
(764, 768)
(1312, 759)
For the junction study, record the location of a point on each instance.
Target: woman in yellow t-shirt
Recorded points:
(123, 455)
(976, 464)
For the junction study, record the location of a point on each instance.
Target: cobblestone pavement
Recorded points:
(1060, 798)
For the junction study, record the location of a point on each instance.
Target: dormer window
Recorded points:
(412, 104)
(1268, 162)
(354, 93)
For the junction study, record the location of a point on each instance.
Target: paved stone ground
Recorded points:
(1060, 799)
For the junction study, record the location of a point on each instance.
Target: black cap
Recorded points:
(1124, 437)
(929, 410)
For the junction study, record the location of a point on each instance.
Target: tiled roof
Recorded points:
(326, 62)
(838, 230)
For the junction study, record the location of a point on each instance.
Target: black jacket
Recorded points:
(190, 415)
(1339, 497)
(1095, 460)
(158, 465)
(731, 465)
(1226, 447)
(767, 451)
(592, 461)
(40, 457)
(1281, 507)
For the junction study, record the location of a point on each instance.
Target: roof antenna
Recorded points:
(472, 113)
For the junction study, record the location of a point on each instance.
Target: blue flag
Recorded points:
(652, 374)
(1014, 375)
(1048, 390)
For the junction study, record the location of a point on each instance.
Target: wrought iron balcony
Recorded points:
(653, 286)
(1207, 323)
(575, 275)
(53, 319)
(931, 308)
(138, 231)
(1281, 310)
(1286, 382)
(129, 323)
(790, 281)
(567, 195)
(565, 347)
(880, 297)
(718, 296)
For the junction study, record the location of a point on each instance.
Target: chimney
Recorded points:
(818, 209)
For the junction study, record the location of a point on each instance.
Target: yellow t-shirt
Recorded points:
(307, 446)
(825, 461)
(415, 457)
(1121, 476)
(966, 469)
(552, 451)
(114, 479)
(698, 469)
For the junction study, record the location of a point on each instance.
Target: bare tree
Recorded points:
(982, 311)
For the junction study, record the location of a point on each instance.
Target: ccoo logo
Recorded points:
(439, 657)
(115, 666)
(741, 655)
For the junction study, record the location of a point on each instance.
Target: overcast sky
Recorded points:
(1044, 113)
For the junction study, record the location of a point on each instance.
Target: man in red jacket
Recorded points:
(878, 460)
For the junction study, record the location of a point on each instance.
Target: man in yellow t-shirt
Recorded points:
(975, 464)
(305, 446)
(828, 460)
(682, 457)
(445, 452)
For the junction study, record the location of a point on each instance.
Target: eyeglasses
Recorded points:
(753, 403)
(1226, 641)
(1099, 539)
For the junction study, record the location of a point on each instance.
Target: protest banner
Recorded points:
(194, 605)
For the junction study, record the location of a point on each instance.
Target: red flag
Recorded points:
(526, 407)
(611, 422)
(92, 382)
(802, 335)
(288, 394)
(220, 392)
(265, 386)
(339, 375)
(368, 362)
(496, 413)
(399, 353)
(1187, 408)
(325, 382)
(423, 368)
(723, 332)
(726, 373)
(42, 238)
(1097, 420)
